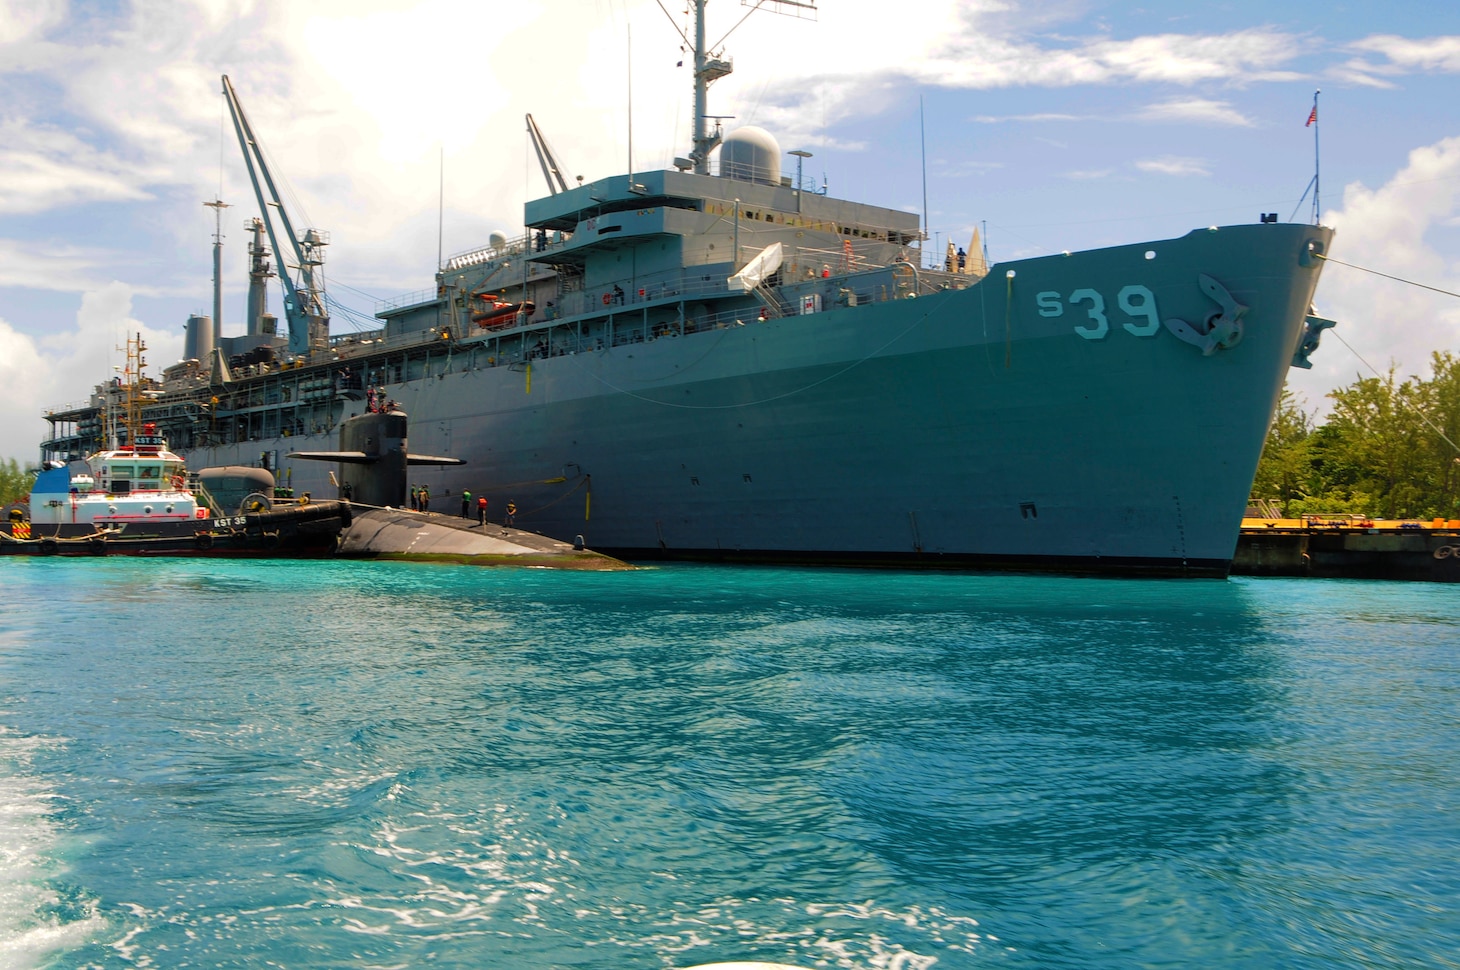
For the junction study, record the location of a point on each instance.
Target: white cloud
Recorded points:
(68, 268)
(46, 168)
(980, 47)
(59, 370)
(1195, 110)
(1200, 111)
(1173, 165)
(1045, 116)
(1430, 55)
(1239, 57)
(1435, 54)
(25, 20)
(22, 393)
(1386, 229)
(963, 168)
(1361, 73)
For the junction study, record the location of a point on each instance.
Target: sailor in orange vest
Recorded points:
(481, 510)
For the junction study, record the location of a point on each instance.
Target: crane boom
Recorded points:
(551, 170)
(303, 296)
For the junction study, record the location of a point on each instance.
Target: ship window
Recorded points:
(120, 486)
(148, 471)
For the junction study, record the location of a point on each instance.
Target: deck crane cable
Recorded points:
(1422, 416)
(358, 319)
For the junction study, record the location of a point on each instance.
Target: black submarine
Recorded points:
(374, 459)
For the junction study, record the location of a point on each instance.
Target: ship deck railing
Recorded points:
(478, 256)
(61, 412)
(868, 286)
(413, 298)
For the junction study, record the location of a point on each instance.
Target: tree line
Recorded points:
(1387, 449)
(15, 481)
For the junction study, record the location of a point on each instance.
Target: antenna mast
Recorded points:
(923, 142)
(1316, 208)
(441, 208)
(711, 67)
(707, 71)
(217, 205)
(629, 75)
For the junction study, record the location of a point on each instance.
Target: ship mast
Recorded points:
(711, 67)
(707, 70)
(217, 205)
(258, 277)
(131, 388)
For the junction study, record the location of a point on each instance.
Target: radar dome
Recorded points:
(750, 154)
(497, 240)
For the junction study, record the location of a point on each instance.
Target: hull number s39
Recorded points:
(1135, 301)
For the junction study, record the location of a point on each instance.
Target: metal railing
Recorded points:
(406, 299)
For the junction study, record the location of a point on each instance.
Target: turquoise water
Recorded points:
(322, 765)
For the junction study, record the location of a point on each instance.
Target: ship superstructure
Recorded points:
(728, 365)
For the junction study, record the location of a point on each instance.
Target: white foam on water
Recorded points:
(31, 932)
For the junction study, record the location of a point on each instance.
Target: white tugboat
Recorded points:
(136, 497)
(139, 486)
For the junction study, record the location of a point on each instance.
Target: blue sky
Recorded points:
(1059, 125)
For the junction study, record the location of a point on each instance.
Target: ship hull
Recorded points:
(1050, 419)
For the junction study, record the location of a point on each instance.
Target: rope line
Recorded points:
(1399, 279)
(1422, 416)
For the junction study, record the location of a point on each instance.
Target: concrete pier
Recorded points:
(1346, 548)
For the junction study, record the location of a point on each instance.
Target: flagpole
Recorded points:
(1317, 209)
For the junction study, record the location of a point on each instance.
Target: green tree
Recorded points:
(1380, 444)
(1439, 403)
(1283, 471)
(1387, 449)
(14, 482)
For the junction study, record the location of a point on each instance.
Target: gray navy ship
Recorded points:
(724, 365)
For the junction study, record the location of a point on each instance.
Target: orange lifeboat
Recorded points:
(496, 314)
